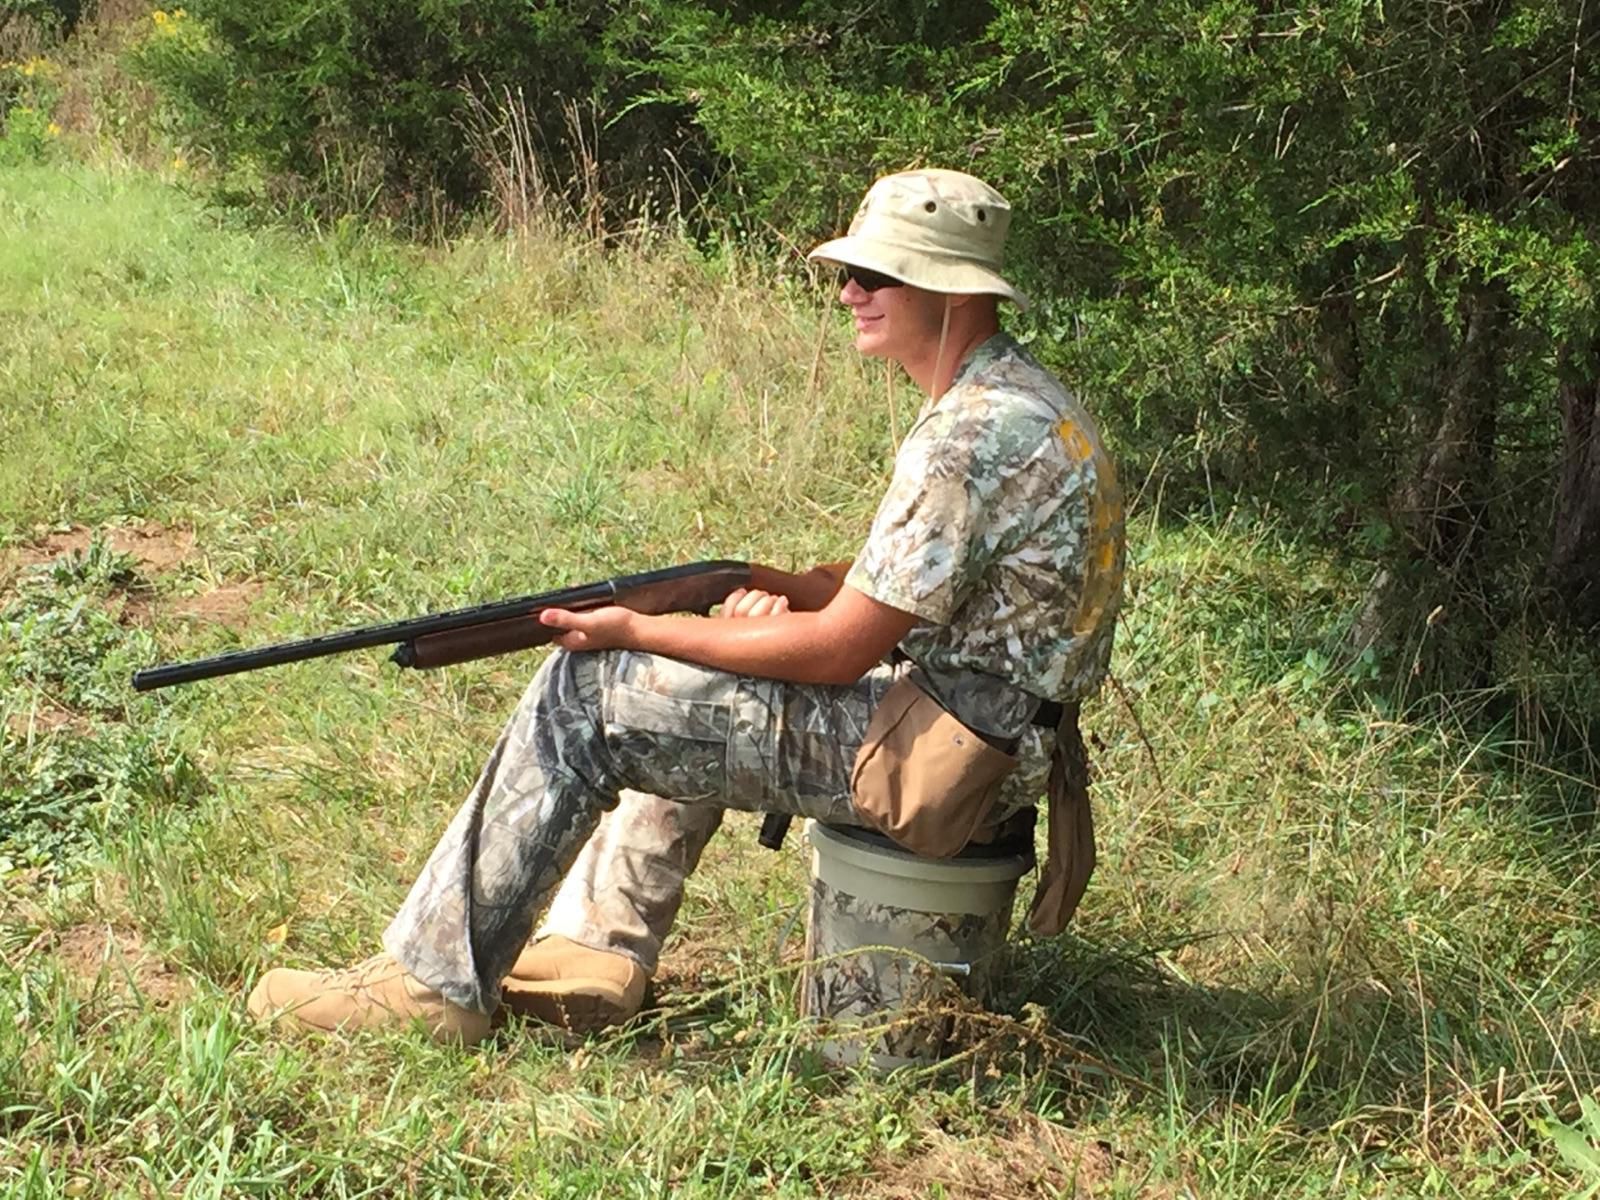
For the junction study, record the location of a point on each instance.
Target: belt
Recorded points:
(1046, 716)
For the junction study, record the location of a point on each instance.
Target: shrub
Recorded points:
(29, 89)
(56, 18)
(363, 104)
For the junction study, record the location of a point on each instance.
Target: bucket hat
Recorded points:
(940, 230)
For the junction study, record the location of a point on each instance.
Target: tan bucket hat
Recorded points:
(939, 230)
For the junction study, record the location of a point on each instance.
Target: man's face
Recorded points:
(900, 323)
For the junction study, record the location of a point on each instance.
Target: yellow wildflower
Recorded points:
(159, 16)
(179, 162)
(27, 68)
(52, 130)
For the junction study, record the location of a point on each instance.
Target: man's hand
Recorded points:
(608, 628)
(807, 592)
(753, 602)
(612, 627)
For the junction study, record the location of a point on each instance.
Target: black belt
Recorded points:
(1046, 716)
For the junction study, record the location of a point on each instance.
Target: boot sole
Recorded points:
(583, 1006)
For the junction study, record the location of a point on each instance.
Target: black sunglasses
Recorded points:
(868, 281)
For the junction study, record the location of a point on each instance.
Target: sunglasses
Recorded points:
(868, 281)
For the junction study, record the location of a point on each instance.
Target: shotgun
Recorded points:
(463, 634)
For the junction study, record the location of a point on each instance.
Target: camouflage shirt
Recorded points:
(1002, 530)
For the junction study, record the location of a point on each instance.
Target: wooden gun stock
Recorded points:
(697, 593)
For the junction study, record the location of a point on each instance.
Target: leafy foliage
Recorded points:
(1579, 1145)
(1250, 230)
(57, 17)
(29, 89)
(73, 757)
(365, 105)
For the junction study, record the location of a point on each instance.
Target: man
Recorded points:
(992, 574)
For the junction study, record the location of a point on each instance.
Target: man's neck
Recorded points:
(934, 371)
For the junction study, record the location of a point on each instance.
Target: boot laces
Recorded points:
(368, 973)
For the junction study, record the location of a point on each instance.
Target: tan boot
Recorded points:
(371, 994)
(561, 982)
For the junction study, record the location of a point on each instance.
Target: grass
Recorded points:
(1332, 948)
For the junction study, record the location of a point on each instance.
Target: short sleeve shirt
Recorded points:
(1002, 529)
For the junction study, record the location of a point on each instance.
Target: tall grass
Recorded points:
(1334, 947)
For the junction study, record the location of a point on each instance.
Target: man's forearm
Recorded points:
(836, 645)
(799, 647)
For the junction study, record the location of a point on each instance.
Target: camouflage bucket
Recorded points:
(889, 934)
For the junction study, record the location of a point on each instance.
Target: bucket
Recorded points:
(952, 915)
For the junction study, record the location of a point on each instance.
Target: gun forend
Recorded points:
(653, 593)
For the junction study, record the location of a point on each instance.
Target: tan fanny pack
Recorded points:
(923, 778)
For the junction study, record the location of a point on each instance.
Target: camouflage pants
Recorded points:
(589, 727)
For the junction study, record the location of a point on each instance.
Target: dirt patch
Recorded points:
(107, 960)
(44, 717)
(690, 966)
(228, 605)
(155, 550)
(1032, 1158)
(134, 605)
(154, 547)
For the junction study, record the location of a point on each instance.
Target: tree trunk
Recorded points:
(1575, 547)
(1436, 597)
(1336, 345)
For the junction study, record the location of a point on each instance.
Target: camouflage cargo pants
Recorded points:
(624, 891)
(589, 727)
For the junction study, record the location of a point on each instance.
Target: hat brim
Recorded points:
(919, 268)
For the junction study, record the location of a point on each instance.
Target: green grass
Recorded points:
(1331, 948)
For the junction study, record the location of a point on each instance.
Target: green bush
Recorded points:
(28, 136)
(367, 105)
(55, 18)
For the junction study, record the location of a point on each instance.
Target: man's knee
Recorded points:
(570, 681)
(558, 720)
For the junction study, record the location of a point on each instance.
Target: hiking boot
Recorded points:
(375, 993)
(561, 982)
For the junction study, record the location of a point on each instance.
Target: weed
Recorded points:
(1579, 1144)
(76, 758)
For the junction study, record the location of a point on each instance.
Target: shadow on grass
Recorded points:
(1381, 1059)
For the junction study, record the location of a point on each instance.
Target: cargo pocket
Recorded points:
(923, 778)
